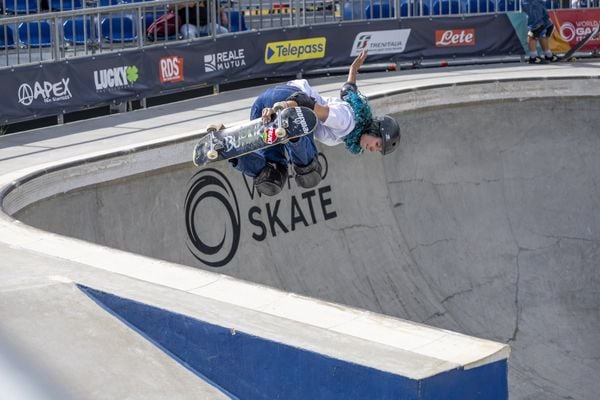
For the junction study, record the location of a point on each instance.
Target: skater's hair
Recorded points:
(363, 118)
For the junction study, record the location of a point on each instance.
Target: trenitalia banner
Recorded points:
(65, 86)
(571, 27)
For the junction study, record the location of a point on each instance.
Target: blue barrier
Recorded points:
(249, 367)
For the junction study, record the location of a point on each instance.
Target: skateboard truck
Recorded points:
(212, 153)
(278, 107)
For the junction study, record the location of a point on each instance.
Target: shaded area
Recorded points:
(499, 205)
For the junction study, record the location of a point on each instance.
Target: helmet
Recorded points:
(389, 132)
(189, 31)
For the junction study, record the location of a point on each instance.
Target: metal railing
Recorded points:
(51, 30)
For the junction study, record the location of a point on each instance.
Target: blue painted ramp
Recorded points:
(245, 366)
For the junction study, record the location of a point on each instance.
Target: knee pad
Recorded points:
(308, 176)
(302, 99)
(271, 179)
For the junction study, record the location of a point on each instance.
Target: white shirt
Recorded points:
(340, 121)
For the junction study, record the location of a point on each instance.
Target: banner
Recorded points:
(65, 86)
(571, 27)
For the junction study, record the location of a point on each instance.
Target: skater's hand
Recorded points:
(356, 64)
(359, 60)
(267, 115)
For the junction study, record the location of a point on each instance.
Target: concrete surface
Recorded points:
(484, 222)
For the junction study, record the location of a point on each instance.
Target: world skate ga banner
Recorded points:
(61, 87)
(571, 26)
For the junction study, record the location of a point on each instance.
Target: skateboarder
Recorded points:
(347, 119)
(540, 29)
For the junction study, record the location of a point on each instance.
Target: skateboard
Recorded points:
(220, 143)
(569, 54)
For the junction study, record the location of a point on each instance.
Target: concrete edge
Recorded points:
(341, 319)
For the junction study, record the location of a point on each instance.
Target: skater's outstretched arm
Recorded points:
(322, 111)
(356, 64)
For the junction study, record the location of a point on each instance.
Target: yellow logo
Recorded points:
(295, 50)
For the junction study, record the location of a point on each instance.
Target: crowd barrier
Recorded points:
(60, 56)
(75, 83)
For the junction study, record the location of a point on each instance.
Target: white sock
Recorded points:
(533, 54)
(548, 53)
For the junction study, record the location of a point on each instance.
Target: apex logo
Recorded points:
(455, 38)
(171, 69)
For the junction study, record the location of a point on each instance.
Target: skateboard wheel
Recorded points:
(280, 132)
(212, 154)
(280, 105)
(212, 128)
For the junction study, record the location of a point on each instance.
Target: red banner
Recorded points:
(571, 27)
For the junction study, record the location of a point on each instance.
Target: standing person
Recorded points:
(347, 120)
(540, 29)
(193, 18)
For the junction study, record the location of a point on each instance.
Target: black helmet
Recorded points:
(389, 132)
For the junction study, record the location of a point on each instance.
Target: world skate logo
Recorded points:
(224, 60)
(455, 38)
(214, 223)
(207, 243)
(47, 91)
(115, 78)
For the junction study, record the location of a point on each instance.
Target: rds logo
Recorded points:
(295, 50)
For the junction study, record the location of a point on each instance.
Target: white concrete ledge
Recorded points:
(381, 342)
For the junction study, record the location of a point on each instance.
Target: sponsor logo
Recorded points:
(300, 120)
(49, 92)
(211, 197)
(224, 60)
(381, 42)
(576, 32)
(242, 138)
(269, 135)
(115, 78)
(455, 38)
(171, 69)
(295, 50)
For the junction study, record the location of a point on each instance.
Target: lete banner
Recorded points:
(571, 27)
(66, 86)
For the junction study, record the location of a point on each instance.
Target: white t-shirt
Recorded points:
(340, 120)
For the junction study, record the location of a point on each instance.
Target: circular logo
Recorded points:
(269, 136)
(25, 94)
(212, 218)
(568, 31)
(324, 166)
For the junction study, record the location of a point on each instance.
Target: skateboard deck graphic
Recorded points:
(569, 54)
(225, 143)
